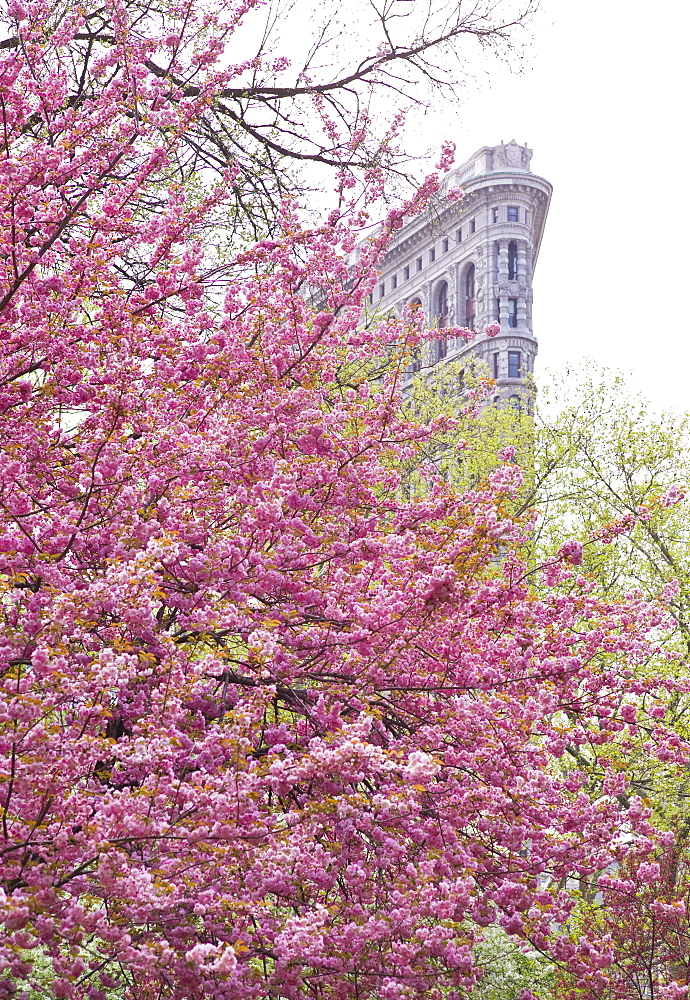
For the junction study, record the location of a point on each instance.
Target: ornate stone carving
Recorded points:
(500, 160)
(512, 156)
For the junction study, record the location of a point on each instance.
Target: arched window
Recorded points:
(512, 261)
(415, 305)
(441, 305)
(470, 305)
(469, 282)
(515, 402)
(441, 318)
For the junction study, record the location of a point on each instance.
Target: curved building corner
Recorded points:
(471, 262)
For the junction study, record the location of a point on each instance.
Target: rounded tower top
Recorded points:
(470, 262)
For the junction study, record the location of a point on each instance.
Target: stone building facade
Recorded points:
(470, 262)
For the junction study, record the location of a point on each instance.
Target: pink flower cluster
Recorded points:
(675, 494)
(571, 551)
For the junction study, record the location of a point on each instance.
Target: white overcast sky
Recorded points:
(603, 102)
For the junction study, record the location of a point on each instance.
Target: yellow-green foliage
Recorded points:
(507, 968)
(600, 456)
(467, 453)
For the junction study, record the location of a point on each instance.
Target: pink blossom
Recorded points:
(628, 713)
(571, 551)
(648, 871)
(670, 590)
(673, 495)
(226, 963)
(16, 10)
(674, 990)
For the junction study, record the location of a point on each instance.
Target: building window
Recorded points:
(512, 261)
(441, 305)
(470, 308)
(512, 312)
(473, 226)
(526, 218)
(515, 402)
(458, 235)
(406, 273)
(497, 310)
(418, 263)
(513, 213)
(494, 215)
(432, 255)
(444, 245)
(513, 364)
(416, 363)
(394, 281)
(370, 299)
(495, 364)
(382, 289)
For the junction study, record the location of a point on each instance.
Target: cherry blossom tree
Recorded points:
(266, 727)
(644, 909)
(284, 124)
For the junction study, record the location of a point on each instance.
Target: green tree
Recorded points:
(466, 452)
(508, 969)
(603, 468)
(613, 473)
(603, 458)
